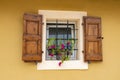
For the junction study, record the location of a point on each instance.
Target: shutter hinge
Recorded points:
(89, 62)
(82, 23)
(82, 51)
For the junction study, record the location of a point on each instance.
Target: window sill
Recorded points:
(53, 65)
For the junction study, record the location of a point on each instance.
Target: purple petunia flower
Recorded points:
(62, 46)
(68, 43)
(52, 46)
(51, 54)
(59, 63)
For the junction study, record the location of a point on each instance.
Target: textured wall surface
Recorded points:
(11, 23)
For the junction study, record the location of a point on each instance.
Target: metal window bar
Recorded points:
(57, 56)
(56, 33)
(67, 24)
(67, 36)
(74, 36)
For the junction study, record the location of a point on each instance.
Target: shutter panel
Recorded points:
(32, 38)
(92, 39)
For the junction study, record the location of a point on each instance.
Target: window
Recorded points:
(60, 27)
(61, 32)
(65, 20)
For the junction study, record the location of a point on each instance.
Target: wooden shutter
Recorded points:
(32, 38)
(92, 39)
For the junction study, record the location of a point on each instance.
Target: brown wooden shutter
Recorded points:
(92, 39)
(32, 38)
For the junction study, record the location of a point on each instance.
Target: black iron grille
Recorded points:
(62, 32)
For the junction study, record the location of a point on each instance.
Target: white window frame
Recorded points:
(71, 64)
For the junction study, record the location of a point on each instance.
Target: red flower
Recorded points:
(62, 46)
(59, 63)
(51, 54)
(68, 43)
(53, 46)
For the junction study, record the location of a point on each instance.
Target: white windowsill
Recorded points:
(51, 65)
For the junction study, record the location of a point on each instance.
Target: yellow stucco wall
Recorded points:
(11, 23)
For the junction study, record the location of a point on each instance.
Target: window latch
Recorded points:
(100, 37)
(82, 51)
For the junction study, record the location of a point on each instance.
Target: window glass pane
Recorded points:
(61, 33)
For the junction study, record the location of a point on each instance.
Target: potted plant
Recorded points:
(62, 51)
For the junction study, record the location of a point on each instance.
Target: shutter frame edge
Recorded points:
(28, 57)
(84, 27)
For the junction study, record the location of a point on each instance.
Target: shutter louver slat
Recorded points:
(92, 39)
(32, 38)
